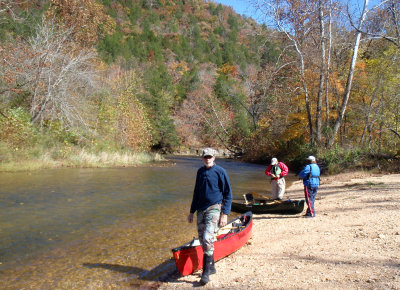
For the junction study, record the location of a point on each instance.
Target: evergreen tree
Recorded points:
(159, 101)
(110, 47)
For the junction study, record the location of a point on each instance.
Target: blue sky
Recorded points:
(240, 7)
(243, 7)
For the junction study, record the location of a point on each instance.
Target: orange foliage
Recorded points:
(15, 60)
(338, 84)
(86, 18)
(228, 69)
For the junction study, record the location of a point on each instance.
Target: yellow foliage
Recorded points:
(122, 115)
(298, 126)
(179, 67)
(133, 124)
(337, 83)
(264, 122)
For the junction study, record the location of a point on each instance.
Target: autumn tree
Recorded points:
(204, 116)
(86, 19)
(383, 22)
(50, 76)
(377, 96)
(308, 26)
(122, 118)
(346, 95)
(304, 25)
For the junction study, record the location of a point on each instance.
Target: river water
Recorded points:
(87, 219)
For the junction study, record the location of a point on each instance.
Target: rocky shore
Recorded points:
(352, 243)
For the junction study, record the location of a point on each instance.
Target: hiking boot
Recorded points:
(207, 262)
(212, 266)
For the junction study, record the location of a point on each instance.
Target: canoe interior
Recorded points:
(269, 206)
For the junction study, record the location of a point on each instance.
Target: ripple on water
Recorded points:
(80, 228)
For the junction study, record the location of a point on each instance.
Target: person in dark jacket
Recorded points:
(310, 175)
(212, 199)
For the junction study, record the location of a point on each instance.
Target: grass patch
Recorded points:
(78, 158)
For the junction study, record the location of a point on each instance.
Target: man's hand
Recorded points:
(223, 220)
(273, 175)
(190, 218)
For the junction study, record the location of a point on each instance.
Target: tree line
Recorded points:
(158, 75)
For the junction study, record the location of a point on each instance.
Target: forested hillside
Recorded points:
(81, 78)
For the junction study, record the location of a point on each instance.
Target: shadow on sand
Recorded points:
(145, 279)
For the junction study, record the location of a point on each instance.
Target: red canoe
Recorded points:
(189, 257)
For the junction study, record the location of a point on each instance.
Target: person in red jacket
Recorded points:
(277, 171)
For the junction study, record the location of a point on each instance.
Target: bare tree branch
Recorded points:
(392, 19)
(394, 132)
(58, 75)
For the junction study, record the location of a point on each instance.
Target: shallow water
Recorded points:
(96, 216)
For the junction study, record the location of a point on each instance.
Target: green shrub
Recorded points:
(16, 129)
(60, 133)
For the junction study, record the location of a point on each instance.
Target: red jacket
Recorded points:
(282, 166)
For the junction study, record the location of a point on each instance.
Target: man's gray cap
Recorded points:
(208, 152)
(274, 161)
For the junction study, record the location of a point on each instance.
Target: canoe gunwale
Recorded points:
(226, 236)
(189, 259)
(283, 207)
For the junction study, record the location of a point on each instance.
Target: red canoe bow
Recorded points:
(189, 257)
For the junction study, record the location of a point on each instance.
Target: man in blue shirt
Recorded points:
(212, 199)
(310, 175)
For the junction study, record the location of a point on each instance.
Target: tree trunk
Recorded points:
(367, 124)
(321, 74)
(328, 64)
(346, 96)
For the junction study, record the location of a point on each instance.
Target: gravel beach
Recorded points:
(352, 243)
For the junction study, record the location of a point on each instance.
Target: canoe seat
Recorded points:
(249, 198)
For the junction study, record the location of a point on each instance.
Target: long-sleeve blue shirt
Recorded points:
(212, 187)
(310, 175)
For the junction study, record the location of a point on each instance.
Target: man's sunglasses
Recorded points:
(207, 157)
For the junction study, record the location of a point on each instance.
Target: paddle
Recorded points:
(259, 196)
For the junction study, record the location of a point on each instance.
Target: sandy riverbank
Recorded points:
(352, 243)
